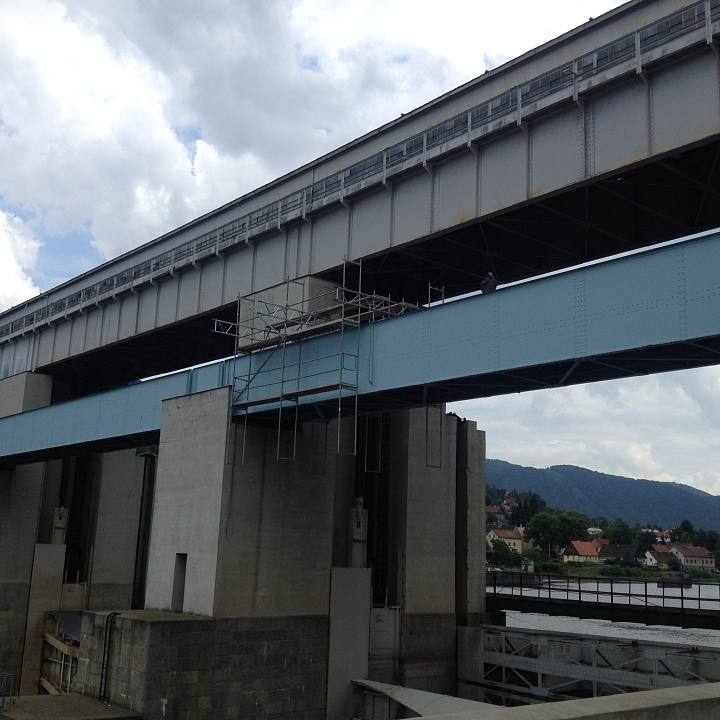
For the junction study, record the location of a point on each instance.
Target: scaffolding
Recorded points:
(278, 371)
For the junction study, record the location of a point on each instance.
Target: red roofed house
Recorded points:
(494, 516)
(581, 551)
(660, 548)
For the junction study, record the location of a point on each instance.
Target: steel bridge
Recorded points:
(601, 141)
(619, 600)
(649, 312)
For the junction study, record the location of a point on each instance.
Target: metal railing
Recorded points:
(509, 107)
(660, 594)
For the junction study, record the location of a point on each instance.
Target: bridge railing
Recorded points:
(662, 593)
(697, 23)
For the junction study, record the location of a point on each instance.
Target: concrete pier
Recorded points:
(270, 583)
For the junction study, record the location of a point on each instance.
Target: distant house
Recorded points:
(494, 516)
(511, 538)
(509, 503)
(657, 559)
(594, 531)
(581, 551)
(609, 552)
(694, 557)
(661, 536)
(660, 548)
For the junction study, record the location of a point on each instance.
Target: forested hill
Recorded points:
(596, 494)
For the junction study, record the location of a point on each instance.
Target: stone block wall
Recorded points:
(184, 667)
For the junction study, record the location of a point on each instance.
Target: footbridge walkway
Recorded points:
(660, 602)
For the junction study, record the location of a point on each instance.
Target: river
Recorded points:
(699, 595)
(605, 628)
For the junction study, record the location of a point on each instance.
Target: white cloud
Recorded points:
(18, 255)
(659, 427)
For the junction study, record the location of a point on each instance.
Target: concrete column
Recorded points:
(21, 491)
(116, 528)
(276, 538)
(470, 524)
(192, 475)
(425, 441)
(23, 392)
(435, 541)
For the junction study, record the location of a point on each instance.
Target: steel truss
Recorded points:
(532, 666)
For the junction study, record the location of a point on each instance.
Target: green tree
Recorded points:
(551, 528)
(494, 496)
(645, 541)
(685, 532)
(619, 532)
(504, 556)
(528, 505)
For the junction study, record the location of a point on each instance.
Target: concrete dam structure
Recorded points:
(229, 486)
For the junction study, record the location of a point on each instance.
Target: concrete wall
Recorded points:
(26, 391)
(278, 524)
(45, 588)
(211, 668)
(191, 479)
(116, 527)
(20, 495)
(21, 491)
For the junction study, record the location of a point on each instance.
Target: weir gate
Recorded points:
(299, 511)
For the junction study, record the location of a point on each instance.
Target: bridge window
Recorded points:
(547, 84)
(672, 26)
(615, 53)
(479, 115)
(184, 251)
(325, 187)
(502, 105)
(263, 215)
(205, 243)
(57, 306)
(107, 285)
(366, 168)
(292, 202)
(401, 152)
(447, 130)
(123, 278)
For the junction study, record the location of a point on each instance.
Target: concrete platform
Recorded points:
(65, 707)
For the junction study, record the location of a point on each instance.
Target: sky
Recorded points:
(120, 121)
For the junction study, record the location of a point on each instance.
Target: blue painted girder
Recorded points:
(652, 300)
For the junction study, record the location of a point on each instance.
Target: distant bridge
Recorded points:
(638, 601)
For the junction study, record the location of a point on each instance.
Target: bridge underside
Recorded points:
(670, 197)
